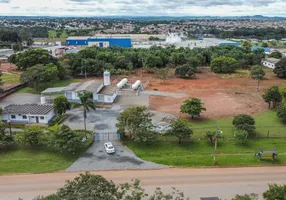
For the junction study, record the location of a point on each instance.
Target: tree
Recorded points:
(5, 140)
(61, 105)
(137, 121)
(244, 122)
(193, 107)
(281, 111)
(251, 196)
(280, 68)
(30, 136)
(257, 73)
(275, 54)
(64, 139)
(247, 45)
(32, 57)
(264, 44)
(1, 82)
(212, 135)
(85, 104)
(185, 71)
(162, 74)
(275, 192)
(180, 129)
(241, 135)
(95, 187)
(39, 74)
(224, 64)
(272, 96)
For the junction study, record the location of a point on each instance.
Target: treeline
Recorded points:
(40, 68)
(262, 33)
(94, 60)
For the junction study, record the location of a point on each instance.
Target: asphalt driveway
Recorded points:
(96, 158)
(19, 98)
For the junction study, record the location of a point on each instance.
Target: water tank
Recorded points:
(106, 78)
(136, 85)
(43, 100)
(122, 83)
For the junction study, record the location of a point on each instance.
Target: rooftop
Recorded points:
(108, 90)
(272, 60)
(53, 90)
(89, 86)
(28, 109)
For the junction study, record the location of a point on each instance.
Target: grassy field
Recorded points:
(200, 153)
(60, 83)
(37, 160)
(267, 124)
(10, 78)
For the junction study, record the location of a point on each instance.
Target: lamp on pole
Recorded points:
(215, 147)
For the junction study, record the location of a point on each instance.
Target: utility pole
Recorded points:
(215, 147)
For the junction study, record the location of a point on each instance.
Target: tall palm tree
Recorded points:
(86, 104)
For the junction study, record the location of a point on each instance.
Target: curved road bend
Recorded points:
(221, 182)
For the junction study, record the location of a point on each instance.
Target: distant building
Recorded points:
(266, 50)
(270, 62)
(28, 113)
(100, 41)
(6, 52)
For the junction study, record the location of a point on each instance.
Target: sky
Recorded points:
(142, 7)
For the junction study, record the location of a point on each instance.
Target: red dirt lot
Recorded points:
(7, 67)
(223, 97)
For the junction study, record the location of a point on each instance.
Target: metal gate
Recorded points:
(108, 136)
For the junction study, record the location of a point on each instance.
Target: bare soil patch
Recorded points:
(223, 97)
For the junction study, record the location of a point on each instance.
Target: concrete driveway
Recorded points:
(96, 158)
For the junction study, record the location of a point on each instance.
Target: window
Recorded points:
(13, 116)
(24, 117)
(42, 118)
(69, 95)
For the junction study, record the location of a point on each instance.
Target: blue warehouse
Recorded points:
(99, 41)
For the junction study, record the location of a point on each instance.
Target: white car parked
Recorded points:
(109, 148)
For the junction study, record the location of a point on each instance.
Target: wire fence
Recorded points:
(228, 132)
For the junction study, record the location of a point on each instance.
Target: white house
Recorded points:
(270, 62)
(28, 113)
(101, 91)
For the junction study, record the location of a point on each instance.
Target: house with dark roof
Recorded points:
(28, 113)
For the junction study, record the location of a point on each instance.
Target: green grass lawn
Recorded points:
(36, 160)
(10, 78)
(265, 122)
(200, 153)
(59, 83)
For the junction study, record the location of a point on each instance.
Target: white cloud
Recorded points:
(142, 7)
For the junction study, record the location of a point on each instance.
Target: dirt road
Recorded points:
(224, 183)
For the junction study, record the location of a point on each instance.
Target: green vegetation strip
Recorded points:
(267, 124)
(200, 153)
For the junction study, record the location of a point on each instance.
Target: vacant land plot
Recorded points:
(223, 96)
(200, 153)
(10, 79)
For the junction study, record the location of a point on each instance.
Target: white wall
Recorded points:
(268, 64)
(43, 119)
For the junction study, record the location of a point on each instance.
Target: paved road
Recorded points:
(95, 158)
(221, 182)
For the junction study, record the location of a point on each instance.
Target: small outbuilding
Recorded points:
(270, 62)
(28, 113)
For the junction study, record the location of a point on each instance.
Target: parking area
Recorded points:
(96, 158)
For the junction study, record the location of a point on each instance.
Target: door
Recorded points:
(37, 119)
(100, 44)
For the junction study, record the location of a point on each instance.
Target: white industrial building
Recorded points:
(270, 62)
(28, 114)
(101, 92)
